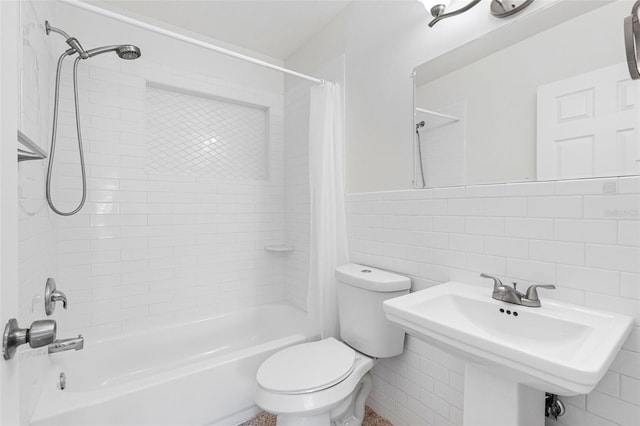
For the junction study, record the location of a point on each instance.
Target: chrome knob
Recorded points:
(41, 333)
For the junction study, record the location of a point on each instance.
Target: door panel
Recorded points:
(588, 126)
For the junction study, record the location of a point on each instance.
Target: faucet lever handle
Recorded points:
(532, 291)
(496, 281)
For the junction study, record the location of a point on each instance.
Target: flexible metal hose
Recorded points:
(419, 143)
(52, 149)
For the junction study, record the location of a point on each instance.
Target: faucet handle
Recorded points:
(496, 281)
(532, 291)
(51, 296)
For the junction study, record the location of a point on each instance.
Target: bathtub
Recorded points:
(196, 373)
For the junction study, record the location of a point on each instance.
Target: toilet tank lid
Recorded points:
(371, 279)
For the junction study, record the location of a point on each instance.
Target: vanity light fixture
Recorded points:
(437, 9)
(499, 8)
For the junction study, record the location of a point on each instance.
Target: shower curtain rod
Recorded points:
(191, 40)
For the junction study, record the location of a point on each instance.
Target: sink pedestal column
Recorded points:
(493, 400)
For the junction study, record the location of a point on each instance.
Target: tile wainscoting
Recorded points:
(581, 235)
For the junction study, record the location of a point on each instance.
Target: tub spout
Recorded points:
(61, 345)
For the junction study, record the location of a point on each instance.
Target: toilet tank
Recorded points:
(363, 324)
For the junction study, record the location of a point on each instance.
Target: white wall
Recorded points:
(383, 41)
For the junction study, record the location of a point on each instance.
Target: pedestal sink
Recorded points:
(514, 354)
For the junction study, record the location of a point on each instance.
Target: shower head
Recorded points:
(420, 124)
(124, 51)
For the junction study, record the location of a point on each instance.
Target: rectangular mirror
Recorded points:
(546, 97)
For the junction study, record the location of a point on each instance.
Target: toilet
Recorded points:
(327, 382)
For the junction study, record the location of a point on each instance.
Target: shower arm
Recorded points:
(632, 41)
(71, 41)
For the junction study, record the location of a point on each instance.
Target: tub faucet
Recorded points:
(509, 294)
(62, 345)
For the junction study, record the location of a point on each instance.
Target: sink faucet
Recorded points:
(61, 345)
(509, 294)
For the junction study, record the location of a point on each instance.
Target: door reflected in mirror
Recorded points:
(520, 104)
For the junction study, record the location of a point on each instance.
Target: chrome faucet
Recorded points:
(76, 343)
(52, 295)
(510, 294)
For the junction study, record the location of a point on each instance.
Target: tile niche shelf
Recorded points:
(279, 248)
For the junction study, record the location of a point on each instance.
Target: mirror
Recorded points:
(546, 97)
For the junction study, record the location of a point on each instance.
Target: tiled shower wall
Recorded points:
(583, 236)
(149, 246)
(37, 252)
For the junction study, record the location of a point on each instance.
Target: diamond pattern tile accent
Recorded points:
(200, 136)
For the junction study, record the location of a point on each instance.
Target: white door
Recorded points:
(9, 385)
(588, 125)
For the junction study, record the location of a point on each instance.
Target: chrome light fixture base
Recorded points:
(504, 8)
(437, 11)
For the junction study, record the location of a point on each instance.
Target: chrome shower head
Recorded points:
(128, 52)
(124, 51)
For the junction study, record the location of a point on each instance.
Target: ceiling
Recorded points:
(272, 27)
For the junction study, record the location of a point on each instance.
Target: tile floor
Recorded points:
(370, 419)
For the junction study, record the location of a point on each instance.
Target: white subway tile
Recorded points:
(612, 207)
(464, 207)
(485, 225)
(485, 191)
(529, 228)
(589, 279)
(529, 189)
(509, 206)
(555, 207)
(614, 409)
(629, 184)
(466, 243)
(630, 390)
(588, 231)
(538, 272)
(448, 224)
(619, 258)
(557, 252)
(586, 186)
(610, 384)
(630, 285)
(629, 233)
(492, 265)
(506, 247)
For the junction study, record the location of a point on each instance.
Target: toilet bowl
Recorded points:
(317, 383)
(327, 382)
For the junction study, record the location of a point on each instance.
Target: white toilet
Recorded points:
(327, 382)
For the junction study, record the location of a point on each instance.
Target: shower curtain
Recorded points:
(328, 243)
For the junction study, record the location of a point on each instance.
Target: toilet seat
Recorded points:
(305, 368)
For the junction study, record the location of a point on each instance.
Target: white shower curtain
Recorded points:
(328, 245)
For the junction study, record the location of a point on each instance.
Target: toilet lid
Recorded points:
(307, 367)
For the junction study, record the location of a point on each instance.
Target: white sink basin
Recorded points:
(559, 347)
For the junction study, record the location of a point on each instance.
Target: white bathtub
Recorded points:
(196, 373)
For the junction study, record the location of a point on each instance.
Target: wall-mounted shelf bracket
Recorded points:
(32, 151)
